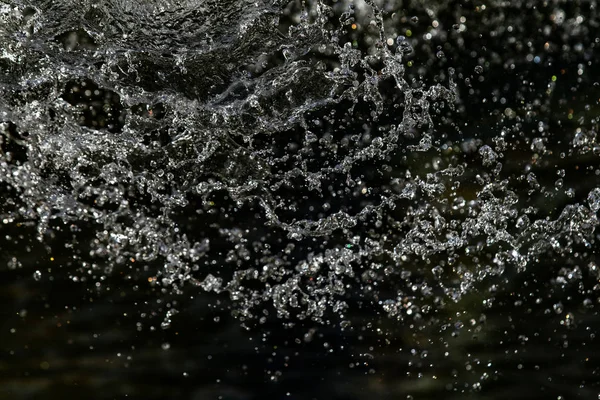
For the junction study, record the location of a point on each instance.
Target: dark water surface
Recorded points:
(303, 200)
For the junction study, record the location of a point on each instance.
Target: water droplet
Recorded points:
(593, 199)
(558, 308)
(488, 155)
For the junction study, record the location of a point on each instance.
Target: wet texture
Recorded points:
(389, 192)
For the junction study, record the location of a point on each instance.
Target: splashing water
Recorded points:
(298, 157)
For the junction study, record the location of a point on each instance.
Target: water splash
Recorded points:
(294, 157)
